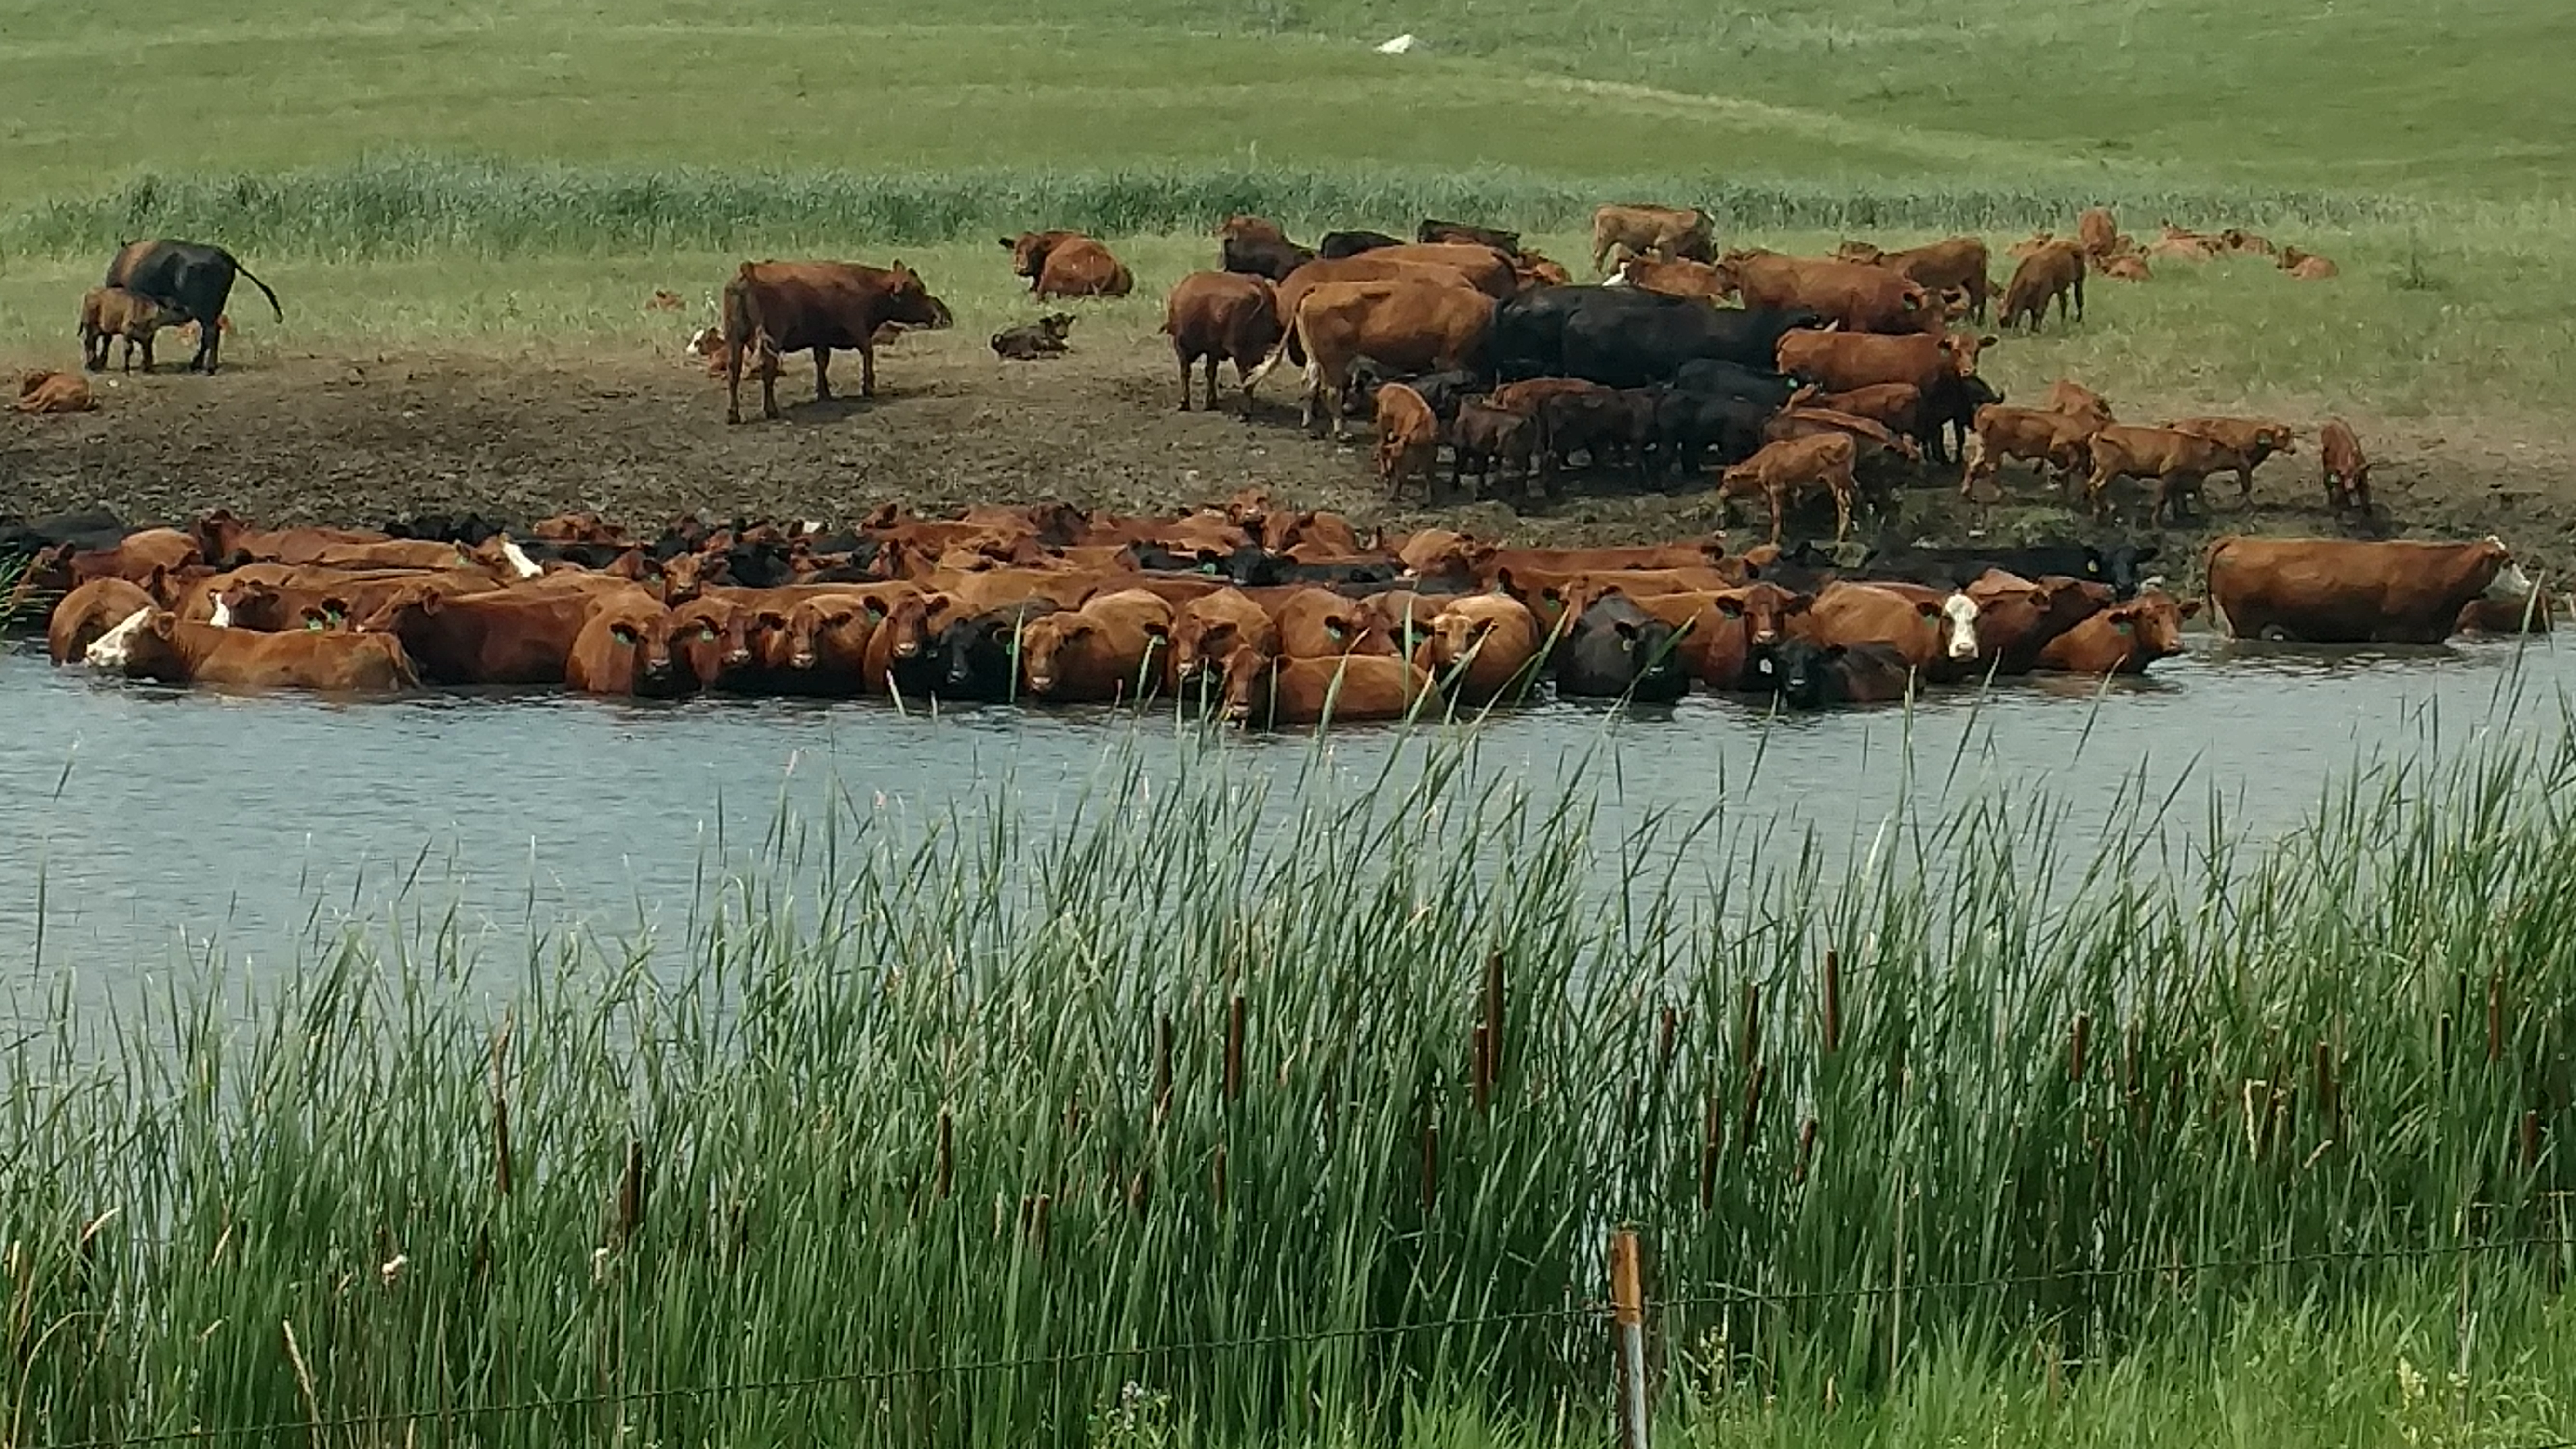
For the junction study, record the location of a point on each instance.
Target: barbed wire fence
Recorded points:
(1626, 1314)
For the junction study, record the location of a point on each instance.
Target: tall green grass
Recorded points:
(396, 208)
(1309, 1115)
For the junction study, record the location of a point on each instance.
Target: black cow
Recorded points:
(1953, 568)
(1484, 437)
(1339, 244)
(89, 531)
(1442, 391)
(1617, 650)
(1688, 424)
(1262, 257)
(465, 530)
(1625, 337)
(1506, 242)
(980, 656)
(1603, 424)
(1805, 569)
(1253, 567)
(1949, 413)
(1718, 377)
(1154, 558)
(1819, 676)
(192, 277)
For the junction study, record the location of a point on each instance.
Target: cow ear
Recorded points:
(163, 623)
(1929, 609)
(1159, 633)
(1836, 651)
(770, 619)
(1007, 245)
(2190, 608)
(1989, 340)
(432, 602)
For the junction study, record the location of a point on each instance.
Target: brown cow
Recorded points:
(1488, 437)
(624, 647)
(2077, 401)
(1320, 624)
(2049, 274)
(2255, 438)
(1782, 468)
(1480, 648)
(2333, 591)
(2122, 639)
(2183, 246)
(1066, 264)
(1221, 316)
(2097, 231)
(270, 597)
(1896, 405)
(506, 636)
(160, 645)
(1413, 325)
(1266, 692)
(108, 313)
(54, 392)
(1241, 227)
(797, 306)
(2031, 245)
(1845, 361)
(1667, 233)
(1673, 279)
(1367, 267)
(2016, 618)
(1960, 262)
(1116, 647)
(1033, 340)
(1487, 270)
(2345, 468)
(1206, 630)
(1408, 439)
(2529, 615)
(2057, 440)
(1874, 436)
(1861, 298)
(90, 610)
(2127, 269)
(2178, 462)
(1933, 629)
(2306, 266)
(2236, 239)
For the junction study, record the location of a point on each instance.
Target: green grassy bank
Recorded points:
(1001, 1120)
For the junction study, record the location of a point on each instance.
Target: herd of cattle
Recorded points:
(1465, 341)
(1265, 615)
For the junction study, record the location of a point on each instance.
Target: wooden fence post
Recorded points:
(1628, 1328)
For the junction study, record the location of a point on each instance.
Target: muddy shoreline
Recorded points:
(361, 439)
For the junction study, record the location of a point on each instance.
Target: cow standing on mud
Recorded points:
(795, 306)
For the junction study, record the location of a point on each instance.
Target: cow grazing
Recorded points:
(1221, 316)
(1413, 323)
(1481, 648)
(192, 279)
(2122, 639)
(2306, 266)
(1116, 647)
(2052, 273)
(159, 645)
(2254, 439)
(1043, 338)
(2496, 617)
(90, 610)
(2345, 468)
(1067, 264)
(1265, 692)
(1959, 262)
(109, 313)
(45, 391)
(817, 306)
(1860, 298)
(2176, 462)
(1784, 468)
(1408, 438)
(1667, 233)
(2336, 591)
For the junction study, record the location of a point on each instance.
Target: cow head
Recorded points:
(629, 647)
(1029, 250)
(1960, 349)
(908, 300)
(1043, 644)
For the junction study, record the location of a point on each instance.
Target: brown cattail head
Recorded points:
(1833, 1001)
(1234, 1050)
(2075, 1045)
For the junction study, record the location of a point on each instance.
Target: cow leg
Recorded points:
(2245, 485)
(823, 374)
(1211, 383)
(1772, 492)
(1843, 488)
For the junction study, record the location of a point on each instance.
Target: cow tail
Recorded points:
(256, 282)
(738, 317)
(1278, 353)
(2209, 587)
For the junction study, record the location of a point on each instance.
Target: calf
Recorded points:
(90, 610)
(1688, 424)
(1481, 647)
(1489, 437)
(1043, 338)
(1408, 438)
(2178, 462)
(194, 278)
(2051, 274)
(160, 645)
(2054, 440)
(2306, 266)
(1819, 676)
(2345, 468)
(1617, 650)
(108, 313)
(2254, 439)
(2127, 269)
(54, 392)
(1779, 469)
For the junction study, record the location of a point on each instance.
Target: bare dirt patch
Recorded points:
(360, 439)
